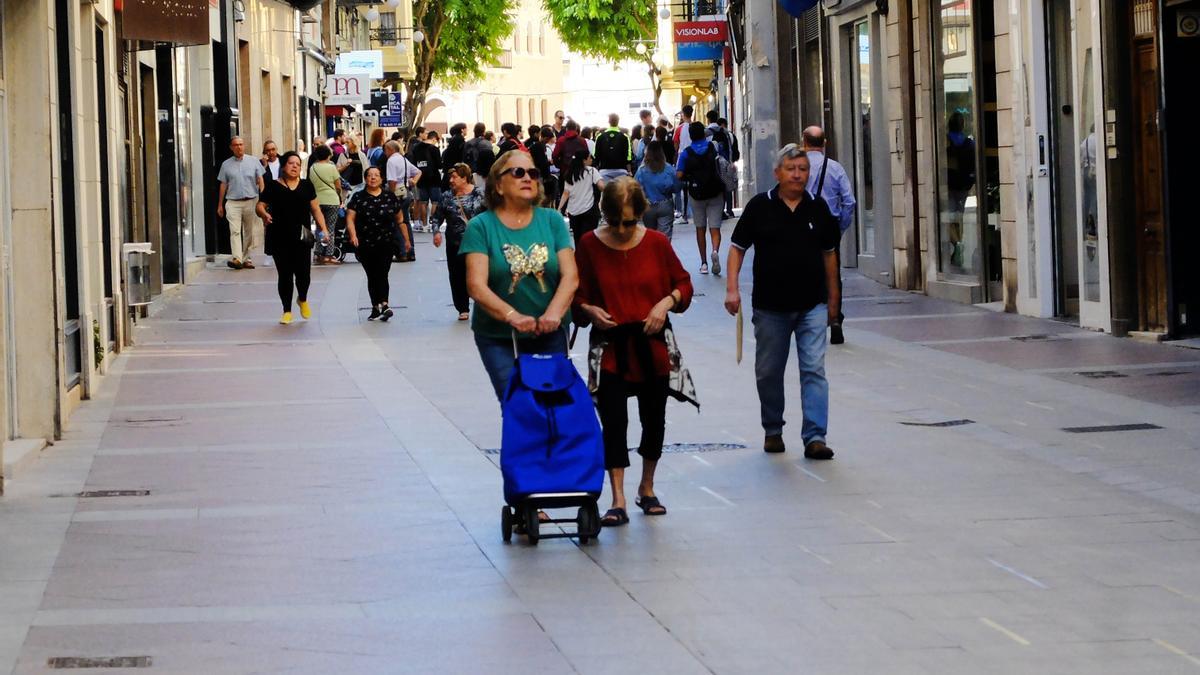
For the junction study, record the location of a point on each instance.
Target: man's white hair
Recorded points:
(788, 152)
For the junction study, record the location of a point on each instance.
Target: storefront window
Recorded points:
(957, 129)
(1088, 160)
(864, 178)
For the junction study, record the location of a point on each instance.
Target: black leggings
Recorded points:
(612, 404)
(457, 266)
(376, 262)
(294, 264)
(583, 223)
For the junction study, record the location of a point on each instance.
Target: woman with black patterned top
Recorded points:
(462, 202)
(371, 219)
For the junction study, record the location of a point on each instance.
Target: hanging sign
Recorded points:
(351, 89)
(698, 51)
(701, 31)
(180, 22)
(393, 115)
(369, 61)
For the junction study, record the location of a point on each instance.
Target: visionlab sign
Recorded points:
(701, 31)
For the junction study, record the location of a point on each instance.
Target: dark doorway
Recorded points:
(70, 225)
(105, 192)
(172, 256)
(1181, 143)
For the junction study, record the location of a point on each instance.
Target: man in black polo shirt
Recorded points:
(795, 293)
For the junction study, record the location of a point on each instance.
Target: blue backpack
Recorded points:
(551, 441)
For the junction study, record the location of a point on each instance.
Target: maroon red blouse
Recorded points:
(627, 285)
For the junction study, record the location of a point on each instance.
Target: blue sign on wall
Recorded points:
(699, 51)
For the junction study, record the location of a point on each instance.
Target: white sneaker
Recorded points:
(716, 263)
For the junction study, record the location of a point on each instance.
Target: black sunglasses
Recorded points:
(520, 172)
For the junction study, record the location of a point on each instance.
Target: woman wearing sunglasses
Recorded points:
(520, 269)
(629, 278)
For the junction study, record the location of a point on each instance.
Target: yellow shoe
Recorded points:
(286, 318)
(305, 310)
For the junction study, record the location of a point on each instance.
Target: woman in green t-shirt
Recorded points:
(520, 269)
(327, 181)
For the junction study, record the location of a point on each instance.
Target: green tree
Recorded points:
(462, 37)
(610, 30)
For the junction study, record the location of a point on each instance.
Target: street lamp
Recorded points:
(640, 49)
(372, 14)
(664, 13)
(392, 3)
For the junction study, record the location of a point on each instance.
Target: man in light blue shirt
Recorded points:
(838, 196)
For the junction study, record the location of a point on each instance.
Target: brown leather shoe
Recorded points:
(773, 443)
(234, 264)
(247, 265)
(818, 450)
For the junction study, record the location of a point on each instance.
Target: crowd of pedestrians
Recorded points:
(559, 225)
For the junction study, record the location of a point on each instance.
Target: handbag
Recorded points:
(307, 237)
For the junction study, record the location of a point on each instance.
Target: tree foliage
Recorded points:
(609, 30)
(462, 37)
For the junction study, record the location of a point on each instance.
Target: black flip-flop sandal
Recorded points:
(648, 504)
(614, 518)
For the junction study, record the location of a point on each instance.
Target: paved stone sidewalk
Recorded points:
(318, 502)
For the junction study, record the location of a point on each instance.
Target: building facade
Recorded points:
(1017, 154)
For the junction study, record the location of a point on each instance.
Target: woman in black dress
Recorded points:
(372, 217)
(462, 202)
(287, 207)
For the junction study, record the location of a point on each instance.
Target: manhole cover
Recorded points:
(1100, 374)
(86, 494)
(947, 423)
(1139, 426)
(100, 662)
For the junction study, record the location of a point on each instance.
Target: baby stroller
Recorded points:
(338, 244)
(552, 453)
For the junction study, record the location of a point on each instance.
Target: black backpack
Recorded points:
(471, 155)
(612, 150)
(702, 174)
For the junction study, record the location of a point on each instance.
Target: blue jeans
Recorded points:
(773, 332)
(660, 216)
(497, 354)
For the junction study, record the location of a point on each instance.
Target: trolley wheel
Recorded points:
(532, 525)
(506, 524)
(583, 524)
(341, 256)
(594, 516)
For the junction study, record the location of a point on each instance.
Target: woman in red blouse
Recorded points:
(629, 278)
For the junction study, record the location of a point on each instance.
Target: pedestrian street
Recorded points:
(324, 497)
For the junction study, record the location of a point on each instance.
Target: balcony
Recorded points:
(505, 60)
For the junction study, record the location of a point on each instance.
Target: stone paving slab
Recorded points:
(319, 501)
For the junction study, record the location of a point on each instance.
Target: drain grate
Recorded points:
(1140, 426)
(1100, 374)
(1167, 373)
(89, 494)
(100, 662)
(668, 448)
(939, 425)
(894, 302)
(1033, 338)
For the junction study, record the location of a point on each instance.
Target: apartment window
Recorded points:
(516, 38)
(520, 111)
(545, 111)
(532, 111)
(387, 29)
(529, 38)
(496, 113)
(542, 40)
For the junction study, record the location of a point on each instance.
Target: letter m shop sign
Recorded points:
(353, 89)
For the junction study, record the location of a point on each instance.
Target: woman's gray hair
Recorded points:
(788, 152)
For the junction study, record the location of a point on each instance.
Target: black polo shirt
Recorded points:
(789, 264)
